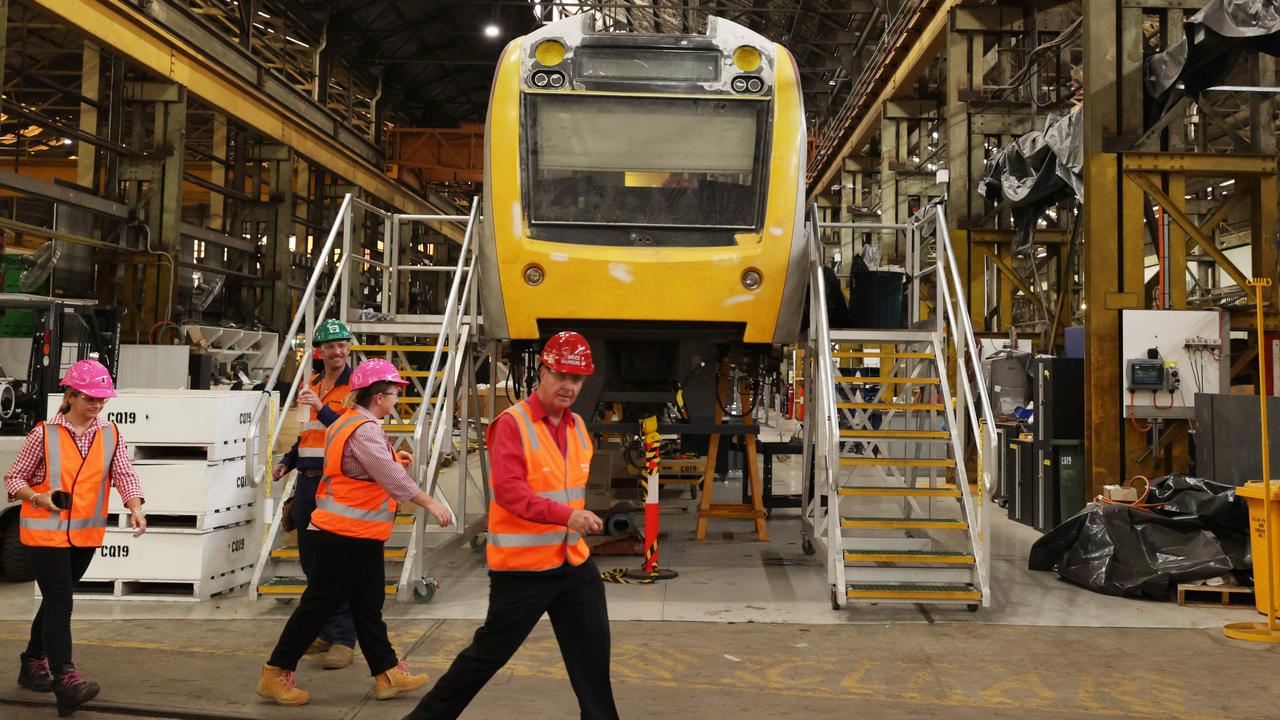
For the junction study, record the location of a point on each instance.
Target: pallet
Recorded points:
(201, 522)
(163, 590)
(1194, 595)
(183, 452)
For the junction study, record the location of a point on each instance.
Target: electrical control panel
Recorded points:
(1169, 357)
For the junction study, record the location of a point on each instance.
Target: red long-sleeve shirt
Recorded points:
(508, 472)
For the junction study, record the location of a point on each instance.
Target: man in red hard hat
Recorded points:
(539, 456)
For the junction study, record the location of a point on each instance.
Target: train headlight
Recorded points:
(755, 85)
(541, 79)
(747, 58)
(534, 275)
(549, 53)
(751, 279)
(739, 84)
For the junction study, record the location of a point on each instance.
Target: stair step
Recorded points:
(290, 552)
(883, 356)
(864, 380)
(404, 328)
(897, 434)
(286, 587)
(396, 348)
(898, 462)
(882, 336)
(889, 407)
(874, 491)
(404, 518)
(398, 427)
(898, 523)
(912, 591)
(421, 373)
(417, 400)
(909, 556)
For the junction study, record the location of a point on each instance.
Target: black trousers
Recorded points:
(340, 630)
(574, 599)
(57, 570)
(347, 570)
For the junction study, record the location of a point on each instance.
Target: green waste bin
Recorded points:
(1069, 460)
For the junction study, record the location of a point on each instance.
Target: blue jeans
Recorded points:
(341, 628)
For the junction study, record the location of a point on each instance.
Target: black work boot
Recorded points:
(72, 690)
(33, 673)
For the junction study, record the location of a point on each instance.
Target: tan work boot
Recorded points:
(338, 657)
(317, 646)
(277, 684)
(395, 681)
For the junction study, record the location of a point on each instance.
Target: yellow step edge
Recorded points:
(904, 524)
(883, 356)
(896, 434)
(911, 595)
(864, 380)
(897, 462)
(869, 556)
(395, 348)
(421, 373)
(404, 519)
(943, 491)
(889, 407)
(291, 553)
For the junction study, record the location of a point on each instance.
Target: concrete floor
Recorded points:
(746, 631)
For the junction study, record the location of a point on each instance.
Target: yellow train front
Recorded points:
(647, 191)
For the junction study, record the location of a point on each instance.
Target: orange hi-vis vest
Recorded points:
(87, 479)
(346, 505)
(518, 544)
(311, 441)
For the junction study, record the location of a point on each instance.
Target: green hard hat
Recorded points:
(330, 330)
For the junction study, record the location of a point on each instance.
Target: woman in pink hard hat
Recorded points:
(63, 476)
(364, 479)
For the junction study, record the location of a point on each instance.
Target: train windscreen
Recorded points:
(645, 161)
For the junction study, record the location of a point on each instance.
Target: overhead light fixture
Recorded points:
(492, 30)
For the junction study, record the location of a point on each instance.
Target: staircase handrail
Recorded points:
(304, 306)
(955, 312)
(430, 414)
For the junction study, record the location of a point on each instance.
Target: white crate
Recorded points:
(172, 555)
(213, 419)
(191, 488)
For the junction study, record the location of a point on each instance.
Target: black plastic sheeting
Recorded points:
(1039, 169)
(1216, 37)
(1200, 533)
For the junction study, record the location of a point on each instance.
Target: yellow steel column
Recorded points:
(1101, 248)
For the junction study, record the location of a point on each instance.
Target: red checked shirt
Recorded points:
(508, 471)
(366, 457)
(28, 469)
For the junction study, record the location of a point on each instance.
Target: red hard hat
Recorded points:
(568, 352)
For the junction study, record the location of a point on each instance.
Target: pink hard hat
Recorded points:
(375, 370)
(91, 378)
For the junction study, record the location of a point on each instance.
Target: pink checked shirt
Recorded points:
(28, 468)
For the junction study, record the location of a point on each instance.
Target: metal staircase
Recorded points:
(436, 353)
(895, 430)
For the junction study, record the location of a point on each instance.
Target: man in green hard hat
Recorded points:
(325, 393)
